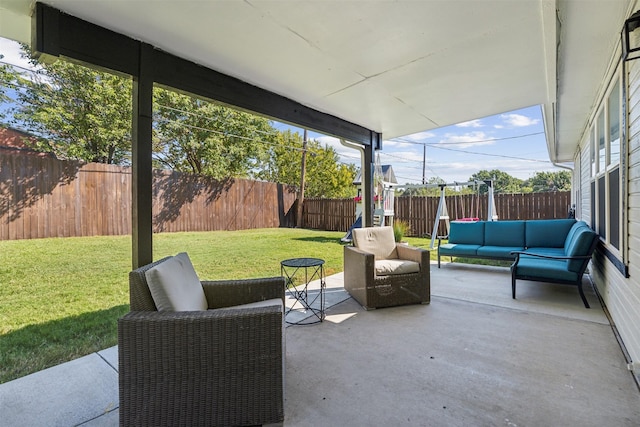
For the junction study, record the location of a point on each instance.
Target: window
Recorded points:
(614, 125)
(602, 152)
(614, 114)
(602, 213)
(592, 144)
(605, 148)
(614, 208)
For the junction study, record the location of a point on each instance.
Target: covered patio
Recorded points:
(473, 356)
(363, 72)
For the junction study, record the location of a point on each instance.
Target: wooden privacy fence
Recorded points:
(45, 197)
(420, 212)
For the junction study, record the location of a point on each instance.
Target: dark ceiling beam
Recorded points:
(59, 34)
(55, 34)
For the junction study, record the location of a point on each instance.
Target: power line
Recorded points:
(395, 156)
(491, 155)
(227, 134)
(408, 141)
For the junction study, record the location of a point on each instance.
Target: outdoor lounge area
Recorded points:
(473, 356)
(371, 78)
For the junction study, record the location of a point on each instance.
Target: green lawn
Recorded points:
(60, 298)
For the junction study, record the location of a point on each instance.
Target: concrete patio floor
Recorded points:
(473, 357)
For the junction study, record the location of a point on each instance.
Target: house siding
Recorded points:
(620, 294)
(583, 184)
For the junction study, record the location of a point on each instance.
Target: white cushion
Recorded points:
(175, 286)
(376, 240)
(259, 304)
(387, 267)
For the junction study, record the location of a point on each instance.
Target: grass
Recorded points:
(60, 298)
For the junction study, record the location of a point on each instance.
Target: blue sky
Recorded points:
(513, 142)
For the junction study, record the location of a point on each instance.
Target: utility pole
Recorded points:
(303, 172)
(424, 164)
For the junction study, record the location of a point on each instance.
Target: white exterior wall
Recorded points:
(582, 182)
(621, 295)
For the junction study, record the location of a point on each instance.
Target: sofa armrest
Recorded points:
(226, 293)
(518, 253)
(441, 238)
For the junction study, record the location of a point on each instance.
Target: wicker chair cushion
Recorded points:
(174, 285)
(376, 240)
(258, 304)
(388, 267)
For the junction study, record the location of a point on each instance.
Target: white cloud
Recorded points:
(404, 157)
(518, 120)
(471, 124)
(408, 140)
(347, 155)
(420, 136)
(467, 140)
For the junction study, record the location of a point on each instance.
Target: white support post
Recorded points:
(441, 213)
(491, 203)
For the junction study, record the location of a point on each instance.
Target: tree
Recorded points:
(543, 182)
(502, 181)
(82, 114)
(192, 135)
(325, 176)
(77, 113)
(423, 191)
(7, 80)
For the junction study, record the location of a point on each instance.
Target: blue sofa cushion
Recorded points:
(545, 268)
(467, 233)
(570, 235)
(457, 249)
(547, 251)
(498, 251)
(504, 233)
(547, 233)
(579, 246)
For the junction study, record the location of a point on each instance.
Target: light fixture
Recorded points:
(631, 38)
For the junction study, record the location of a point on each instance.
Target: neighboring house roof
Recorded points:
(387, 174)
(14, 141)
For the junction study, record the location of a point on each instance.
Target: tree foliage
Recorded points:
(325, 176)
(7, 81)
(502, 181)
(83, 114)
(192, 135)
(77, 113)
(543, 182)
(423, 191)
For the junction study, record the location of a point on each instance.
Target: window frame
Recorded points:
(603, 168)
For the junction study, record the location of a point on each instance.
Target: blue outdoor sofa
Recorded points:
(556, 250)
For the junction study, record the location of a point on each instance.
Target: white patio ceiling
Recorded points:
(396, 67)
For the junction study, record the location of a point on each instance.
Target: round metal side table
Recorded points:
(308, 304)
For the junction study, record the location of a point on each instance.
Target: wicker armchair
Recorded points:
(216, 367)
(381, 273)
